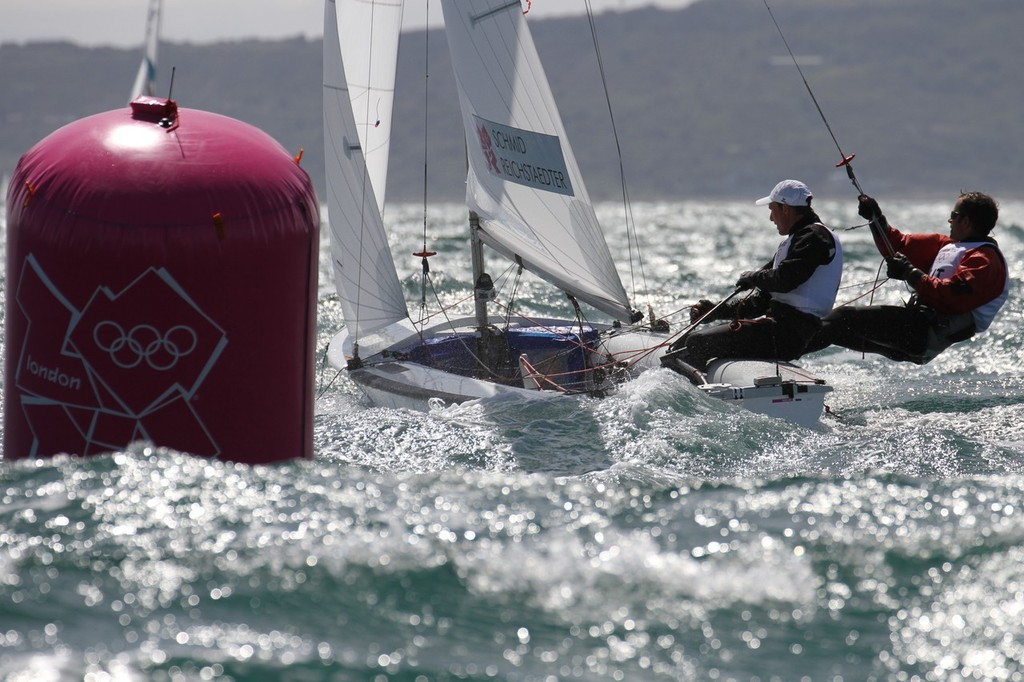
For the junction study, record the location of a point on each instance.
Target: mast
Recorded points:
(491, 349)
(483, 287)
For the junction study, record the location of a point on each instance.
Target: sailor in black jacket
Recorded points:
(792, 292)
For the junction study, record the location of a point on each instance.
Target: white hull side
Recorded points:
(775, 389)
(412, 386)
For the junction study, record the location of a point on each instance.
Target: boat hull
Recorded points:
(775, 389)
(546, 358)
(389, 377)
(408, 385)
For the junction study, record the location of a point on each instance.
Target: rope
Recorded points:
(535, 375)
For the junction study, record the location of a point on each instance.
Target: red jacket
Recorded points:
(980, 277)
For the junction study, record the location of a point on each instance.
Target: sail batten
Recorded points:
(524, 181)
(370, 54)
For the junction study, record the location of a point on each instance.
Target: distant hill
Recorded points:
(707, 102)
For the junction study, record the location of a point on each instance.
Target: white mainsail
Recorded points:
(364, 271)
(145, 79)
(523, 181)
(371, 29)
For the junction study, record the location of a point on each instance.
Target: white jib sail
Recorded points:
(369, 49)
(523, 180)
(145, 79)
(364, 271)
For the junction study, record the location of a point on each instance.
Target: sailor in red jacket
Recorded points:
(965, 286)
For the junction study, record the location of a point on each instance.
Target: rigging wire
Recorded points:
(876, 226)
(807, 85)
(423, 253)
(631, 235)
(874, 223)
(323, 366)
(515, 293)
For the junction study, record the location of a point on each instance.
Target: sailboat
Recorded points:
(145, 79)
(526, 201)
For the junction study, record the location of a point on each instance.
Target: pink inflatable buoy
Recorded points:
(161, 287)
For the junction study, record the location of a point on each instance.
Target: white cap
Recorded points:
(789, 192)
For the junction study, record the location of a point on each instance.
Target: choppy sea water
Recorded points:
(652, 535)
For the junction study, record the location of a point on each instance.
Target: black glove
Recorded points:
(867, 208)
(748, 280)
(898, 267)
(700, 309)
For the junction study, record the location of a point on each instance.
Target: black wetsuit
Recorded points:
(762, 327)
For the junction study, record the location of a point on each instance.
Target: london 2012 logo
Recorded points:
(145, 343)
(488, 149)
(124, 367)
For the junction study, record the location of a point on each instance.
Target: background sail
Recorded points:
(364, 272)
(523, 178)
(145, 79)
(369, 49)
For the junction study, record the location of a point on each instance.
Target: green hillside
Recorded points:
(707, 103)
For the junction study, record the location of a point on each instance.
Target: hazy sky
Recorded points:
(122, 22)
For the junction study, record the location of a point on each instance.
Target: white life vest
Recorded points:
(946, 262)
(817, 295)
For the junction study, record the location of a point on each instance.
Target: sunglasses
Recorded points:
(953, 215)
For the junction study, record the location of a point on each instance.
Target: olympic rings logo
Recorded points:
(144, 342)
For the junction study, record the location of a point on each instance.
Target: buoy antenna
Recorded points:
(170, 88)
